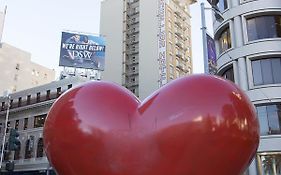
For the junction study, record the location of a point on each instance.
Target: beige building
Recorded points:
(18, 72)
(148, 42)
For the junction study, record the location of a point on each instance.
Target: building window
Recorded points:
(28, 99)
(48, 95)
(270, 119)
(28, 149)
(222, 5)
(39, 120)
(38, 97)
(17, 152)
(3, 106)
(25, 123)
(58, 91)
(264, 27)
(69, 86)
(224, 40)
(269, 163)
(228, 74)
(8, 127)
(17, 124)
(19, 102)
(171, 70)
(40, 148)
(266, 71)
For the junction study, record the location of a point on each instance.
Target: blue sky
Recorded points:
(36, 25)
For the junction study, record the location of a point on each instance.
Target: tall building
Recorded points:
(148, 42)
(18, 72)
(248, 44)
(27, 113)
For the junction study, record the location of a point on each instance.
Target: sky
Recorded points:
(35, 26)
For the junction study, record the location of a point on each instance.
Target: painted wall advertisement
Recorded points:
(212, 58)
(162, 43)
(82, 51)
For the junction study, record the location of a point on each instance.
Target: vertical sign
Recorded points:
(212, 58)
(162, 43)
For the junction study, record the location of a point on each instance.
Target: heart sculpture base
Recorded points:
(197, 125)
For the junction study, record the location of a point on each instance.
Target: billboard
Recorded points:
(212, 57)
(162, 43)
(82, 51)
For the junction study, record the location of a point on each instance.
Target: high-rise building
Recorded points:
(248, 44)
(18, 72)
(148, 42)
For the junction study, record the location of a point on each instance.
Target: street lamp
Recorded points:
(218, 17)
(7, 95)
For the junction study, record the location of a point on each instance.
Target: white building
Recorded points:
(18, 72)
(148, 42)
(248, 44)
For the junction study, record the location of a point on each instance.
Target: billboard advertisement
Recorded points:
(82, 51)
(212, 57)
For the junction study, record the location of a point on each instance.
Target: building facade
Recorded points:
(27, 113)
(18, 72)
(248, 43)
(149, 45)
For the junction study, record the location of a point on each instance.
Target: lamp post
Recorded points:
(204, 39)
(5, 130)
(218, 17)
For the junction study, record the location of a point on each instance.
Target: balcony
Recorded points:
(179, 44)
(178, 23)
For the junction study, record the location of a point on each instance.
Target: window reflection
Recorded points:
(39, 120)
(270, 119)
(266, 71)
(264, 27)
(228, 74)
(224, 40)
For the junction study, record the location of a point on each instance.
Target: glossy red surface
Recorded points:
(198, 125)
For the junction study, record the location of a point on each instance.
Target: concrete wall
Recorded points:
(111, 27)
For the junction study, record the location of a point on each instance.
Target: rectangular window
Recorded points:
(48, 95)
(224, 40)
(28, 100)
(222, 5)
(266, 71)
(38, 97)
(69, 86)
(19, 102)
(25, 123)
(228, 74)
(39, 120)
(261, 27)
(270, 119)
(17, 124)
(58, 91)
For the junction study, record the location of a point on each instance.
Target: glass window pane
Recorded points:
(257, 74)
(251, 29)
(262, 116)
(266, 71)
(276, 70)
(273, 119)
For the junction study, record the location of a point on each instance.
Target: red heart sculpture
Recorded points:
(197, 125)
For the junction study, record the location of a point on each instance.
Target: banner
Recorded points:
(82, 51)
(212, 57)
(162, 43)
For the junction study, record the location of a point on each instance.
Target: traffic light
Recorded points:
(14, 143)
